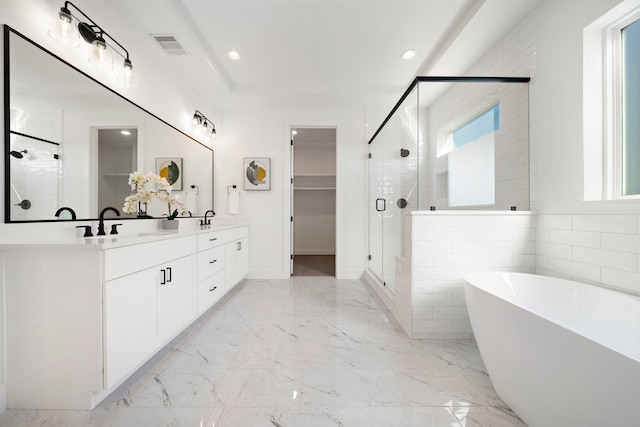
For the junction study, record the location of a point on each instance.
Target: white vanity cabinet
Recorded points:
(236, 254)
(81, 318)
(148, 302)
(211, 266)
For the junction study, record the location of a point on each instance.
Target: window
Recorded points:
(483, 124)
(480, 125)
(471, 160)
(611, 104)
(630, 110)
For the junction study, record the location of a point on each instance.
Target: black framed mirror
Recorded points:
(71, 141)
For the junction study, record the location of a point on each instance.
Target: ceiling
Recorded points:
(320, 52)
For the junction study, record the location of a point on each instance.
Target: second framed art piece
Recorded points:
(170, 168)
(257, 173)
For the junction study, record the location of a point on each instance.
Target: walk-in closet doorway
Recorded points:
(313, 201)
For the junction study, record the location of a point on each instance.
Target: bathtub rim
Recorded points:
(633, 353)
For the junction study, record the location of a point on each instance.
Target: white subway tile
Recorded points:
(606, 223)
(551, 273)
(562, 222)
(429, 234)
(432, 221)
(421, 260)
(421, 286)
(542, 235)
(515, 221)
(423, 313)
(555, 250)
(575, 269)
(422, 326)
(448, 286)
(473, 221)
(431, 300)
(431, 247)
(618, 260)
(454, 313)
(621, 279)
(621, 242)
(522, 261)
(589, 239)
(458, 300)
(432, 273)
(542, 262)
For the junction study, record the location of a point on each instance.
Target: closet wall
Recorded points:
(314, 198)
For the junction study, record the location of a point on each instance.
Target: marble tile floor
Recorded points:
(304, 352)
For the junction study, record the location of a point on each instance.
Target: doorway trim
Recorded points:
(288, 188)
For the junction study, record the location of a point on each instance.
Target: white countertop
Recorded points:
(131, 232)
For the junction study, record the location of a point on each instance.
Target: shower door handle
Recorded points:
(381, 205)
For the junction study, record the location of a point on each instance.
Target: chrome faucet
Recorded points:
(206, 221)
(65, 208)
(101, 224)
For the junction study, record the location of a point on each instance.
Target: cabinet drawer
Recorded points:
(210, 240)
(129, 259)
(238, 233)
(210, 290)
(210, 261)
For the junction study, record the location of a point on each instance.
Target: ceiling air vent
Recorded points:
(170, 44)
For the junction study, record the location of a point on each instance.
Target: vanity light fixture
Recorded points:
(94, 35)
(205, 124)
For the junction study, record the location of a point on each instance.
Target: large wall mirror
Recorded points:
(72, 142)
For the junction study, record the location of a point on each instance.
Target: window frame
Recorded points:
(614, 109)
(601, 65)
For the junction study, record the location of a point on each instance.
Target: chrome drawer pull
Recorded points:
(211, 262)
(213, 289)
(214, 239)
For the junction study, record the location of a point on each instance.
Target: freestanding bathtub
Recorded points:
(559, 353)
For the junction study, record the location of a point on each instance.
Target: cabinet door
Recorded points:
(175, 296)
(236, 264)
(130, 323)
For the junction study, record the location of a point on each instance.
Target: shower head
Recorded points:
(18, 154)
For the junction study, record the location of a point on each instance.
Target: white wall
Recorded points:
(592, 241)
(557, 114)
(266, 133)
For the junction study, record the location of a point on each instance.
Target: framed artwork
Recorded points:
(257, 173)
(170, 168)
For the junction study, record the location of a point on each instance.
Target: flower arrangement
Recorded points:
(143, 192)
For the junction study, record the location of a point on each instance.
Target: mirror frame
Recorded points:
(8, 31)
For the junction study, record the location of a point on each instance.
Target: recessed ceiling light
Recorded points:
(408, 54)
(125, 132)
(294, 132)
(233, 54)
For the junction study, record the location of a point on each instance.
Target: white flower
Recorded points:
(162, 192)
(137, 181)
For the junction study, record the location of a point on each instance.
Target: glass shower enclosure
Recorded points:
(449, 143)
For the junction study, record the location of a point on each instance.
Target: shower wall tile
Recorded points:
(599, 249)
(467, 242)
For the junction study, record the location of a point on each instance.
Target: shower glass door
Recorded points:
(392, 189)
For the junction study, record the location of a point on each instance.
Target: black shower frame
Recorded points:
(440, 79)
